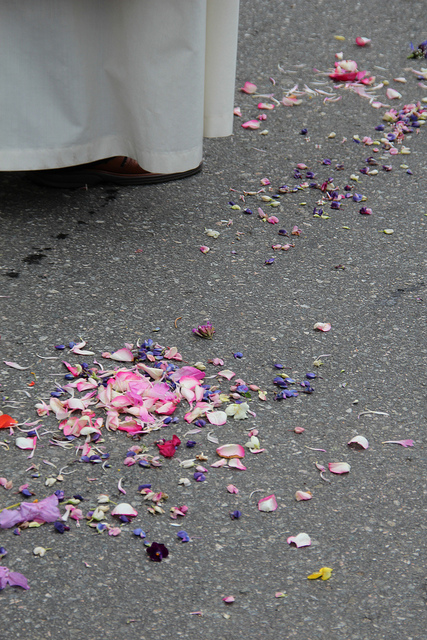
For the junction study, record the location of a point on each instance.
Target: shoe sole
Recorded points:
(76, 179)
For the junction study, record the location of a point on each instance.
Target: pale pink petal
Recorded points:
(301, 540)
(303, 495)
(218, 362)
(299, 430)
(120, 488)
(249, 87)
(228, 599)
(14, 365)
(235, 463)
(362, 42)
(265, 182)
(226, 374)
(232, 489)
(26, 443)
(403, 443)
(322, 326)
(268, 504)
(320, 467)
(217, 417)
(124, 509)
(273, 219)
(266, 105)
(237, 112)
(219, 463)
(114, 531)
(251, 124)
(339, 467)
(204, 249)
(122, 355)
(392, 94)
(360, 441)
(231, 451)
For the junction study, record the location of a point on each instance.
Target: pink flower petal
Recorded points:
(403, 443)
(339, 467)
(362, 42)
(217, 417)
(226, 374)
(14, 365)
(228, 599)
(122, 355)
(204, 249)
(359, 441)
(273, 219)
(235, 463)
(251, 124)
(392, 94)
(237, 112)
(303, 495)
(219, 463)
(268, 504)
(249, 87)
(124, 509)
(299, 430)
(322, 326)
(231, 451)
(26, 443)
(301, 540)
(114, 531)
(266, 105)
(232, 489)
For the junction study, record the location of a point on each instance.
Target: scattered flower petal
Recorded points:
(268, 504)
(403, 443)
(301, 540)
(339, 467)
(359, 441)
(324, 573)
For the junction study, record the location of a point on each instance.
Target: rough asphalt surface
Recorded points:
(110, 265)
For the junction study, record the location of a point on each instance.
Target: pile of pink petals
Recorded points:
(135, 400)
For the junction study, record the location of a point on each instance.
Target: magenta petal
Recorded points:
(268, 504)
(251, 124)
(249, 87)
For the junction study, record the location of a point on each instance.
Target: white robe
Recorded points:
(82, 80)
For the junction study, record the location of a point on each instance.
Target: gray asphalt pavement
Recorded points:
(116, 265)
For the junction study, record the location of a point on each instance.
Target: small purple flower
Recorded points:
(357, 197)
(199, 476)
(200, 423)
(204, 331)
(278, 366)
(304, 132)
(297, 175)
(348, 187)
(310, 175)
(248, 211)
(167, 420)
(60, 347)
(3, 552)
(183, 535)
(409, 172)
(283, 232)
(78, 497)
(238, 354)
(326, 161)
(335, 205)
(144, 463)
(365, 211)
(269, 261)
(144, 486)
(317, 211)
(17, 531)
(157, 552)
(242, 388)
(310, 376)
(364, 170)
(60, 527)
(139, 533)
(235, 515)
(190, 444)
(27, 493)
(380, 127)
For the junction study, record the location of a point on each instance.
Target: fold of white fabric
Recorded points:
(83, 80)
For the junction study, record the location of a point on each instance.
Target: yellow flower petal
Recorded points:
(324, 573)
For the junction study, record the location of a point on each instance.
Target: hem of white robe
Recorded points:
(218, 126)
(43, 159)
